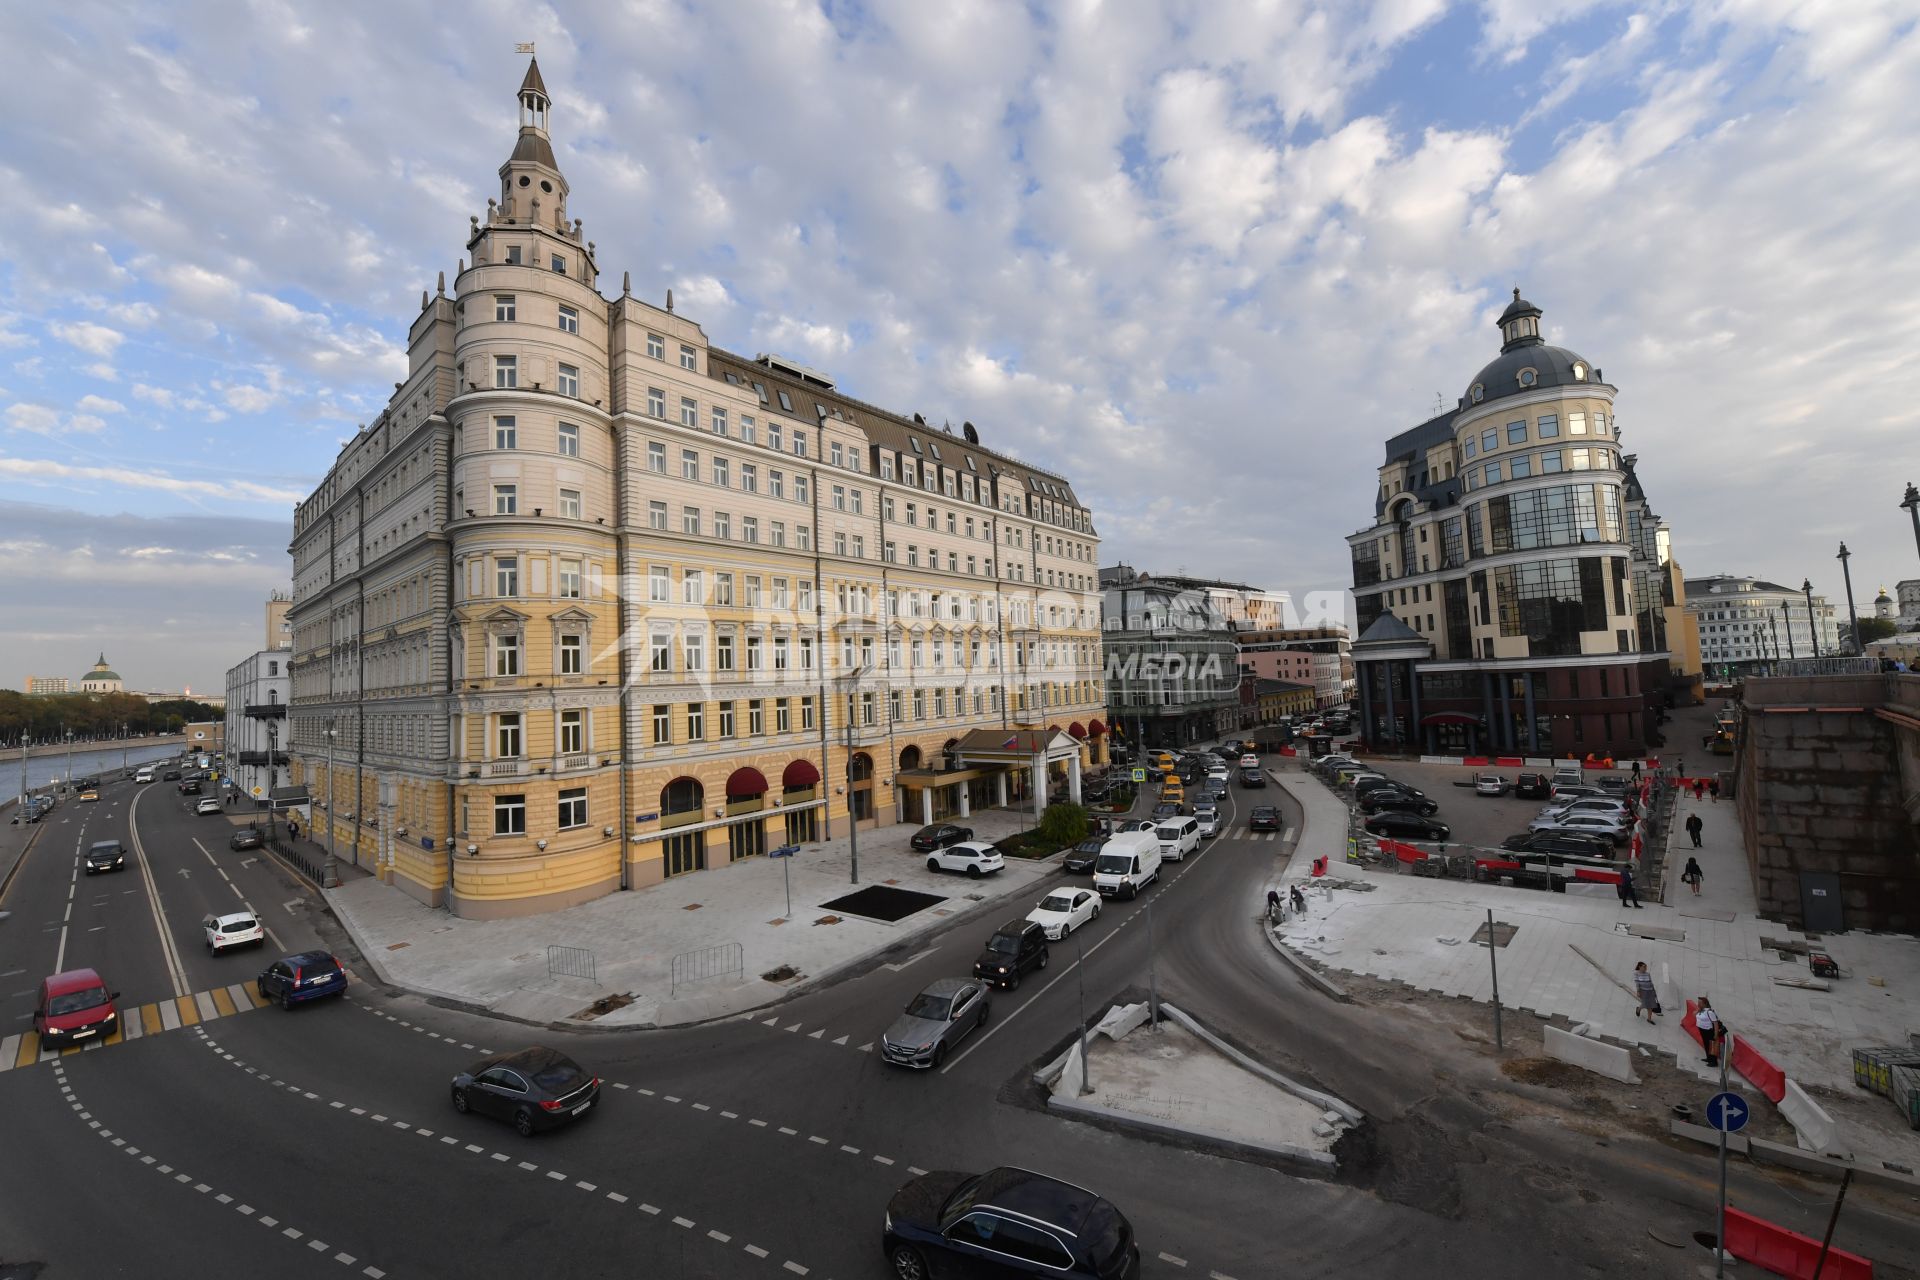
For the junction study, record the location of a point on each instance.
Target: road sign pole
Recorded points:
(786, 873)
(1494, 965)
(1720, 1235)
(1086, 1067)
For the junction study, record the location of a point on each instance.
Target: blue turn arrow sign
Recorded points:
(1727, 1111)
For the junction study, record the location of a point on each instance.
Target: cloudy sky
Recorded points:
(1201, 256)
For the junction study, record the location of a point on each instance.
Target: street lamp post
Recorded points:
(1813, 627)
(1792, 652)
(330, 877)
(852, 681)
(1853, 619)
(273, 744)
(1911, 504)
(26, 744)
(69, 759)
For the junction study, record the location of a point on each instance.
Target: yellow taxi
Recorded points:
(89, 793)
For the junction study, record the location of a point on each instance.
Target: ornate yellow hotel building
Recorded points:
(594, 602)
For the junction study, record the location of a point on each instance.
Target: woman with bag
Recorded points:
(1692, 875)
(1643, 988)
(1711, 1029)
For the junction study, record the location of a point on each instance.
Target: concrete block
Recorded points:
(1812, 1126)
(1121, 1019)
(1602, 1059)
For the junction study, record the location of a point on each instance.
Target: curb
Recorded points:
(1793, 1157)
(21, 861)
(1327, 985)
(1317, 1161)
(1325, 1101)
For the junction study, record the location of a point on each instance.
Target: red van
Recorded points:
(75, 1006)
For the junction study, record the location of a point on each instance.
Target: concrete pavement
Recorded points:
(501, 965)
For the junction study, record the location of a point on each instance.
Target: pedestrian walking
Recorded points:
(1699, 789)
(1643, 988)
(1713, 789)
(1273, 905)
(1694, 826)
(1691, 875)
(1711, 1029)
(1636, 771)
(1627, 893)
(1299, 900)
(293, 829)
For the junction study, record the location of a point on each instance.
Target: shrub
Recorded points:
(1063, 824)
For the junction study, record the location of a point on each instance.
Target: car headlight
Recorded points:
(1003, 968)
(886, 1222)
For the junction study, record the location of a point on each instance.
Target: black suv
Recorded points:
(1407, 825)
(1015, 947)
(1264, 818)
(1252, 778)
(171, 775)
(1533, 786)
(1567, 844)
(1005, 1222)
(105, 855)
(939, 836)
(1394, 800)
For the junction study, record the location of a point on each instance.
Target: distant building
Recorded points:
(1319, 657)
(37, 686)
(1172, 671)
(102, 679)
(1883, 606)
(1907, 592)
(1745, 623)
(256, 722)
(279, 626)
(1283, 699)
(205, 737)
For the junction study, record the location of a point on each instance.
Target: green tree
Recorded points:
(1871, 629)
(1063, 824)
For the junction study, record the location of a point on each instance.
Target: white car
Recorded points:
(209, 805)
(1064, 910)
(1249, 761)
(975, 857)
(1490, 784)
(235, 929)
(1209, 820)
(1592, 824)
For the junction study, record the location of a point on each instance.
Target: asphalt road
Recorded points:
(321, 1141)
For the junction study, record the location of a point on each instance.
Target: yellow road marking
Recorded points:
(189, 1011)
(259, 1001)
(113, 1036)
(223, 1002)
(150, 1023)
(29, 1049)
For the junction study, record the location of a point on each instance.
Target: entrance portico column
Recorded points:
(1000, 788)
(1039, 782)
(1073, 777)
(966, 808)
(926, 806)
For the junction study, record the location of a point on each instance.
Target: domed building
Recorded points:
(102, 679)
(1883, 606)
(1515, 593)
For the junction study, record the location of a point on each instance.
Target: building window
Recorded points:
(656, 403)
(689, 464)
(726, 720)
(559, 265)
(783, 716)
(866, 710)
(1548, 426)
(569, 580)
(693, 652)
(750, 528)
(1521, 467)
(506, 499)
(506, 576)
(777, 533)
(785, 403)
(756, 718)
(569, 381)
(1579, 371)
(569, 439)
(721, 474)
(570, 649)
(513, 255)
(662, 724)
(657, 516)
(657, 458)
(506, 655)
(660, 651)
(1576, 424)
(749, 478)
(776, 484)
(573, 732)
(746, 429)
(507, 735)
(692, 588)
(1478, 393)
(799, 436)
(510, 815)
(657, 584)
(656, 346)
(504, 434)
(573, 808)
(1516, 432)
(689, 412)
(717, 420)
(723, 589)
(859, 547)
(1550, 462)
(688, 360)
(569, 320)
(803, 537)
(839, 543)
(1471, 447)
(690, 521)
(1528, 377)
(806, 713)
(722, 525)
(570, 504)
(503, 308)
(506, 371)
(723, 653)
(1489, 440)
(696, 722)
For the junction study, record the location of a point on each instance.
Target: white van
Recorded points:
(145, 775)
(1127, 864)
(1178, 837)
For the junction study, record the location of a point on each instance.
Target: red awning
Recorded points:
(800, 773)
(1095, 729)
(746, 783)
(1077, 730)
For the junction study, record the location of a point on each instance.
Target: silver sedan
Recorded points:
(934, 1021)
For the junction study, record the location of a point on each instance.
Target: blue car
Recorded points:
(297, 979)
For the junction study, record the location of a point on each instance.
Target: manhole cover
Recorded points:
(1502, 934)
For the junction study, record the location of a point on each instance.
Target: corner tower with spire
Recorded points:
(533, 195)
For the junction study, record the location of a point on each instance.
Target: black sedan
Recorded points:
(1252, 778)
(1532, 786)
(939, 836)
(1005, 1222)
(1080, 859)
(1264, 818)
(1408, 826)
(534, 1089)
(247, 838)
(171, 775)
(1393, 800)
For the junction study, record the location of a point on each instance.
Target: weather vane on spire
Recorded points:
(524, 48)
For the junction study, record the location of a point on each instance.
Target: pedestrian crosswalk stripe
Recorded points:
(24, 1048)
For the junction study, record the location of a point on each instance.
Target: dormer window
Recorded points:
(1579, 371)
(1478, 393)
(1528, 377)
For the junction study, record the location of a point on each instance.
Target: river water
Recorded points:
(47, 768)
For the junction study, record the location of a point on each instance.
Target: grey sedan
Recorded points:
(936, 1020)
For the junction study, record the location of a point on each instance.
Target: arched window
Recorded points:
(1478, 393)
(1579, 371)
(682, 795)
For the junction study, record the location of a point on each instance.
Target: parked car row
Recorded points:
(1392, 808)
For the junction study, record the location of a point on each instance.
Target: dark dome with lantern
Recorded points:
(1526, 362)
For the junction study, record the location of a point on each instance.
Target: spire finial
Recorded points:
(1516, 293)
(626, 284)
(669, 299)
(441, 288)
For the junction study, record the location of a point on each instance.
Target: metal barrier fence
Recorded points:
(704, 963)
(298, 861)
(570, 962)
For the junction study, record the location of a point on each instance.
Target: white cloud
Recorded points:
(94, 339)
(248, 399)
(100, 404)
(32, 417)
(122, 477)
(162, 396)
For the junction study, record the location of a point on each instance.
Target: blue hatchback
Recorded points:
(298, 978)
